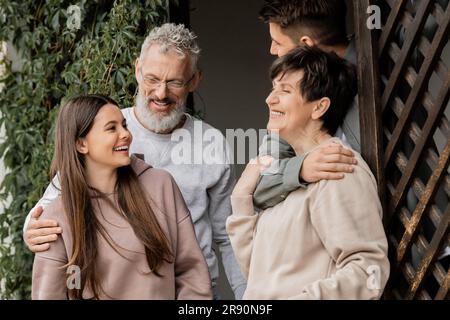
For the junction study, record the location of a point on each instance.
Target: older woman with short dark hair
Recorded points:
(325, 241)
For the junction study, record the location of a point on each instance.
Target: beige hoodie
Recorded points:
(323, 242)
(129, 278)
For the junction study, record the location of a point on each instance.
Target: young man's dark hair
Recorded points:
(324, 75)
(322, 20)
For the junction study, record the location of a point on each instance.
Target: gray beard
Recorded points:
(153, 120)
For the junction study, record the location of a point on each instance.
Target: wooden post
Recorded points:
(369, 94)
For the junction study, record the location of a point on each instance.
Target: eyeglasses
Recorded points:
(153, 83)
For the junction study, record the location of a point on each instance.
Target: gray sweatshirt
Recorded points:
(205, 177)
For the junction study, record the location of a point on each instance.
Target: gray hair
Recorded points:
(173, 37)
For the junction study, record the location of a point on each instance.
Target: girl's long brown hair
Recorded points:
(75, 120)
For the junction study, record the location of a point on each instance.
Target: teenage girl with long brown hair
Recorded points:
(127, 231)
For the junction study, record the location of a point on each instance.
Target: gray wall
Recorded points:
(235, 60)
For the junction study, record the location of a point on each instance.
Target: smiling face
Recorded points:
(289, 112)
(165, 80)
(107, 143)
(281, 42)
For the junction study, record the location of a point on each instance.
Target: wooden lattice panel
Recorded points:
(414, 71)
